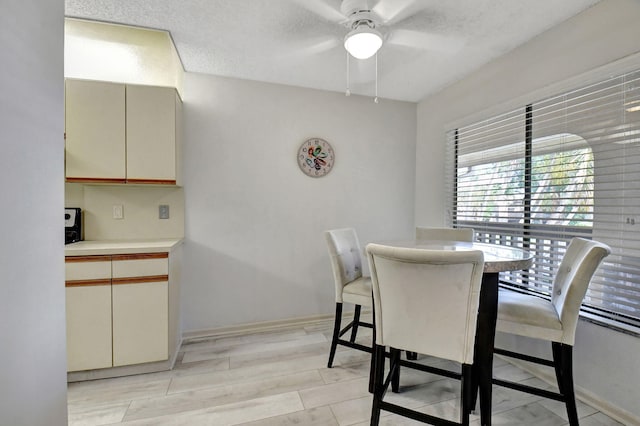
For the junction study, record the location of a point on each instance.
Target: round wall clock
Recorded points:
(316, 157)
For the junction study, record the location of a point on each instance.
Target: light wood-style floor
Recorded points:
(280, 378)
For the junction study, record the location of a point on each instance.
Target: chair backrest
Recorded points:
(426, 301)
(346, 257)
(444, 234)
(579, 264)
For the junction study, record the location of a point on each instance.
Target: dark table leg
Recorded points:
(485, 338)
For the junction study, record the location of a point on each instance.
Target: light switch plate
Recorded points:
(118, 211)
(163, 211)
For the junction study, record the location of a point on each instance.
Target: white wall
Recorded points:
(254, 247)
(606, 361)
(32, 299)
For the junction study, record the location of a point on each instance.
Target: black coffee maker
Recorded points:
(72, 225)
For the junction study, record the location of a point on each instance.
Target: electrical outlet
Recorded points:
(163, 211)
(118, 211)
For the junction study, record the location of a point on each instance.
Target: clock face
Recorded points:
(315, 157)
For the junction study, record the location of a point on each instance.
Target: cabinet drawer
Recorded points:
(140, 265)
(82, 268)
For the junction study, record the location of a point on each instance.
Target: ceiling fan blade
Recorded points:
(392, 12)
(425, 41)
(323, 9)
(319, 46)
(310, 47)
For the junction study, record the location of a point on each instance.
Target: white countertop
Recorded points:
(87, 248)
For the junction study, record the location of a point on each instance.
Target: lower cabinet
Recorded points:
(89, 327)
(140, 323)
(117, 310)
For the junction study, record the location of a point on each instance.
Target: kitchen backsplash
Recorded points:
(140, 211)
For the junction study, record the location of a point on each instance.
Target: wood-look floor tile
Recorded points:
(241, 339)
(599, 419)
(260, 357)
(335, 392)
(194, 400)
(229, 414)
(529, 414)
(321, 416)
(505, 399)
(113, 390)
(352, 411)
(253, 347)
(197, 367)
(347, 371)
(346, 356)
(511, 373)
(98, 414)
(239, 375)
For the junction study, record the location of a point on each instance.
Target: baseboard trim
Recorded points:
(255, 327)
(619, 414)
(264, 326)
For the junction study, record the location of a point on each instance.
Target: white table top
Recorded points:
(497, 258)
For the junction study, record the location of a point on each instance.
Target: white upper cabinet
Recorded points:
(151, 134)
(95, 131)
(121, 133)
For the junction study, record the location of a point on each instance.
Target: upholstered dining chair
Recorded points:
(552, 320)
(441, 234)
(350, 286)
(425, 301)
(444, 234)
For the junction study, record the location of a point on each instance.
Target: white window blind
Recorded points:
(562, 167)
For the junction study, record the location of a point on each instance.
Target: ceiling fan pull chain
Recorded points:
(348, 92)
(376, 98)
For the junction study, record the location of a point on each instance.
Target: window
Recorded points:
(562, 167)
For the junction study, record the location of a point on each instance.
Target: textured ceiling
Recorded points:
(429, 44)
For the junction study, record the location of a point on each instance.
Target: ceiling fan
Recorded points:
(371, 23)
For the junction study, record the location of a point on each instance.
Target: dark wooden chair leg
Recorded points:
(356, 321)
(557, 364)
(466, 393)
(373, 356)
(378, 383)
(336, 334)
(395, 361)
(565, 384)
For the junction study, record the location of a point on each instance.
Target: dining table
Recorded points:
(497, 258)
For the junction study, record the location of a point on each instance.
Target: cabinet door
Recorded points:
(140, 322)
(88, 292)
(151, 135)
(140, 308)
(95, 131)
(88, 327)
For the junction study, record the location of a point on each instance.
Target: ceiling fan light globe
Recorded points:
(363, 43)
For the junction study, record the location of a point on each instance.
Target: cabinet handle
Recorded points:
(152, 181)
(94, 180)
(87, 283)
(140, 280)
(139, 256)
(93, 258)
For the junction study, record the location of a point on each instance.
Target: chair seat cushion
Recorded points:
(528, 316)
(358, 292)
